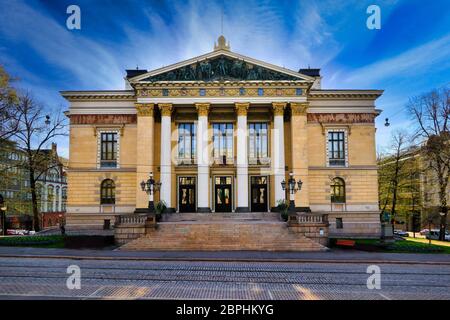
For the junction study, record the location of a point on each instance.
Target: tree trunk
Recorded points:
(36, 218)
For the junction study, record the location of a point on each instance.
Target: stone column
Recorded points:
(242, 158)
(299, 148)
(60, 199)
(202, 158)
(278, 163)
(166, 161)
(145, 151)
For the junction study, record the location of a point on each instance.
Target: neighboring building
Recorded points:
(221, 132)
(417, 193)
(15, 187)
(409, 201)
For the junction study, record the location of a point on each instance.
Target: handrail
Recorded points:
(131, 219)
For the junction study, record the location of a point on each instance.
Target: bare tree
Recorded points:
(35, 131)
(8, 97)
(392, 172)
(431, 112)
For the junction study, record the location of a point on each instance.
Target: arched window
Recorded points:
(108, 192)
(338, 191)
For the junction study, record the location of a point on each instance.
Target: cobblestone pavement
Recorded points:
(46, 278)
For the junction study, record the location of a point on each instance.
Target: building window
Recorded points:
(186, 141)
(336, 148)
(202, 92)
(64, 199)
(339, 223)
(260, 91)
(108, 192)
(165, 92)
(50, 197)
(57, 199)
(258, 140)
(242, 91)
(108, 150)
(223, 140)
(298, 91)
(338, 191)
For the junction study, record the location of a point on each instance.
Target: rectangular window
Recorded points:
(336, 148)
(298, 91)
(260, 91)
(258, 140)
(108, 152)
(186, 141)
(339, 223)
(202, 92)
(222, 141)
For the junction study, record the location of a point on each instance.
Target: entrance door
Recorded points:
(259, 194)
(222, 188)
(186, 195)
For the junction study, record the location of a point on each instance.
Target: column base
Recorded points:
(203, 210)
(242, 209)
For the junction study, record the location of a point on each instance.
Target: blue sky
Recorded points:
(407, 57)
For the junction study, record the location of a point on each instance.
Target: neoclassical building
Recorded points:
(221, 131)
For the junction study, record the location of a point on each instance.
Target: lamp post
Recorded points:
(442, 226)
(292, 186)
(150, 186)
(3, 214)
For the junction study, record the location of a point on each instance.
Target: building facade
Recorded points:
(51, 187)
(221, 132)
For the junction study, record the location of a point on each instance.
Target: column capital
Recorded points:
(299, 108)
(278, 108)
(145, 109)
(166, 109)
(242, 108)
(202, 108)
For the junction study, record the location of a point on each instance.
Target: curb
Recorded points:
(283, 260)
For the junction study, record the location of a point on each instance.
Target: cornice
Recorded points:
(344, 94)
(122, 95)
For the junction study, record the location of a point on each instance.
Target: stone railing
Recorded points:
(312, 218)
(132, 226)
(312, 225)
(131, 219)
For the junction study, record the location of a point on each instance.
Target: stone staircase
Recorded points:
(223, 232)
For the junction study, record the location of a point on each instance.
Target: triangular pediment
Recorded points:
(221, 65)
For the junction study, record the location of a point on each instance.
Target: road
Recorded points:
(25, 278)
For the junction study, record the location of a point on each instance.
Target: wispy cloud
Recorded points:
(416, 61)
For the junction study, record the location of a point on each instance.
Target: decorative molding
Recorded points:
(345, 130)
(345, 94)
(166, 109)
(175, 90)
(145, 109)
(341, 117)
(242, 108)
(202, 109)
(98, 132)
(127, 95)
(102, 119)
(299, 109)
(278, 108)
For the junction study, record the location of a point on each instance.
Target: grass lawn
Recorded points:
(409, 245)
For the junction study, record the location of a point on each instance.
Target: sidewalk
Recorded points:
(332, 256)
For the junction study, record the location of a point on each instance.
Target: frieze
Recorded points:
(219, 92)
(103, 119)
(342, 117)
(220, 69)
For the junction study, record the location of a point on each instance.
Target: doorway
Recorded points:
(222, 194)
(186, 194)
(258, 187)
